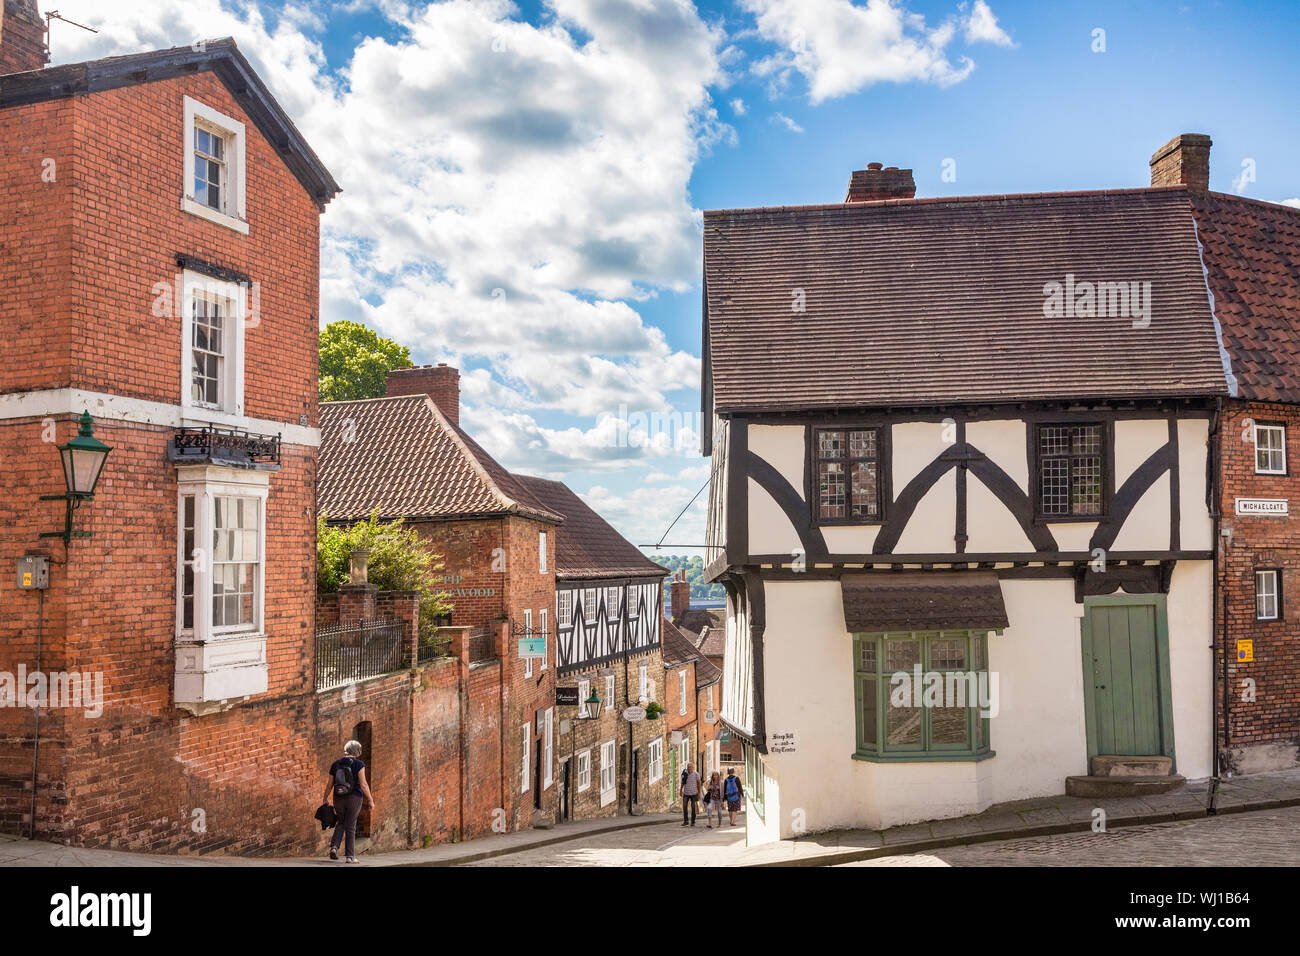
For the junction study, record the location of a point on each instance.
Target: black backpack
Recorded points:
(345, 781)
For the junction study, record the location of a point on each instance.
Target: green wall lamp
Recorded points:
(593, 706)
(83, 461)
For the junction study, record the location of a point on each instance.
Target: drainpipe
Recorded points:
(1216, 513)
(36, 711)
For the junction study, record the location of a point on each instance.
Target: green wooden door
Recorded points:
(1125, 678)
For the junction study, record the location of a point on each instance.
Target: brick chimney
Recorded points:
(22, 37)
(1184, 160)
(875, 182)
(679, 596)
(440, 382)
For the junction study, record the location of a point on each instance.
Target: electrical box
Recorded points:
(34, 572)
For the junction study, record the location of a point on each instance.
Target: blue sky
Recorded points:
(522, 182)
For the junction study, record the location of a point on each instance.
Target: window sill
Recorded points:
(195, 208)
(847, 523)
(925, 757)
(1069, 519)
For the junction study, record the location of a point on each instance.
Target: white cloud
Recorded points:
(510, 190)
(1294, 203)
(982, 26)
(780, 119)
(644, 514)
(840, 47)
(738, 106)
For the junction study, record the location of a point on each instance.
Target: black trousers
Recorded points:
(348, 809)
(689, 805)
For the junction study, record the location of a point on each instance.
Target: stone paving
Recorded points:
(1258, 838)
(1156, 824)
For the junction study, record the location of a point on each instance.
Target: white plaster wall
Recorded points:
(1190, 612)
(1197, 528)
(770, 531)
(850, 540)
(1004, 443)
(1038, 734)
(913, 445)
(1147, 526)
(1072, 535)
(991, 526)
(930, 529)
(782, 447)
(1135, 442)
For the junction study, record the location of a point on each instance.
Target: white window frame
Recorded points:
(564, 608)
(527, 756)
(681, 691)
(613, 597)
(583, 763)
(608, 772)
(584, 691)
(656, 750)
(1263, 594)
(545, 639)
(528, 632)
(233, 213)
(1269, 450)
(548, 749)
(230, 386)
(609, 691)
(684, 749)
(711, 707)
(217, 668)
(541, 552)
(590, 605)
(643, 678)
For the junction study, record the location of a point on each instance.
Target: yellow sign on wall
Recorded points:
(1245, 652)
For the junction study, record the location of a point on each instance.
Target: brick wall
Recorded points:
(1263, 733)
(22, 37)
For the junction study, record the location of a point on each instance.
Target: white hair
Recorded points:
(352, 748)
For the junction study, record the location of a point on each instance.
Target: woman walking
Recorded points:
(713, 800)
(347, 788)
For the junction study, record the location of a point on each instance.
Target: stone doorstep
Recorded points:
(1114, 787)
(1116, 766)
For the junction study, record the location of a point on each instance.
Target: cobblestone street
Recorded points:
(1261, 838)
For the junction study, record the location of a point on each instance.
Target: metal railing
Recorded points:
(482, 645)
(347, 653)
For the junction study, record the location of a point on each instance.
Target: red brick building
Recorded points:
(405, 456)
(159, 256)
(1251, 252)
(607, 641)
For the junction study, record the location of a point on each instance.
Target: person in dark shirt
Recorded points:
(347, 788)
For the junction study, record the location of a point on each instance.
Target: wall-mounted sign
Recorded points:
(634, 714)
(566, 696)
(782, 742)
(724, 736)
(1245, 652)
(532, 647)
(1262, 506)
(710, 716)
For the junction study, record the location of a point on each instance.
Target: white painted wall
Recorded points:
(1003, 441)
(991, 527)
(1197, 526)
(1147, 526)
(1038, 735)
(770, 531)
(930, 530)
(782, 446)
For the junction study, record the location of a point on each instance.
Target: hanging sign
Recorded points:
(710, 716)
(634, 714)
(532, 647)
(566, 696)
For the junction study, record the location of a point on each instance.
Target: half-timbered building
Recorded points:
(962, 497)
(608, 640)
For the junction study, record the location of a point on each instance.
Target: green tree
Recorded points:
(400, 560)
(354, 361)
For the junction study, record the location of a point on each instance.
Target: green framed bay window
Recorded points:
(922, 695)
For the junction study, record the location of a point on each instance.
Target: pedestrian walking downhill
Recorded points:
(347, 788)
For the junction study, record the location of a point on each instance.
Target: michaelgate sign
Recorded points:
(1262, 506)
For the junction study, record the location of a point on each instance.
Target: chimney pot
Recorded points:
(874, 166)
(1184, 160)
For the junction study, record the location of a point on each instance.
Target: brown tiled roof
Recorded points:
(695, 620)
(923, 600)
(678, 649)
(403, 457)
(934, 301)
(712, 641)
(1252, 263)
(587, 546)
